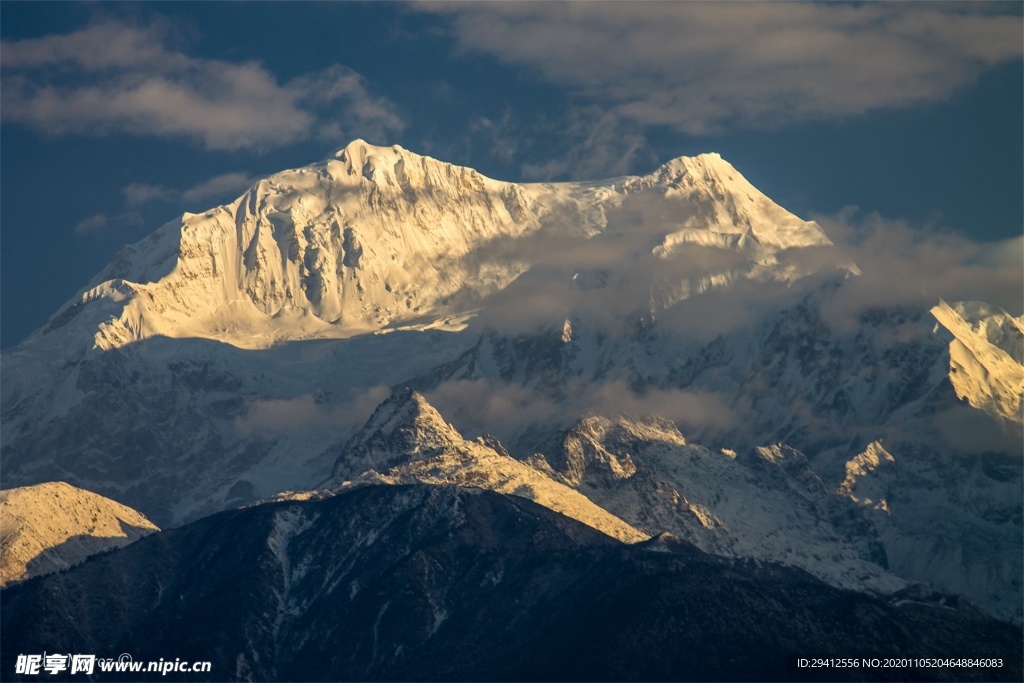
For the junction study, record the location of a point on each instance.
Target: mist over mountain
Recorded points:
(672, 352)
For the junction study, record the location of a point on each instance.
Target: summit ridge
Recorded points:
(377, 237)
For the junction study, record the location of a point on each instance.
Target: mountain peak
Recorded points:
(698, 164)
(984, 356)
(407, 407)
(406, 441)
(404, 425)
(377, 237)
(731, 203)
(359, 150)
(52, 526)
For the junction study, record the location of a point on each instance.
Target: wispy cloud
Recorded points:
(482, 405)
(112, 77)
(903, 264)
(503, 133)
(92, 224)
(626, 270)
(590, 143)
(101, 223)
(621, 276)
(140, 194)
(137, 196)
(219, 187)
(708, 67)
(280, 416)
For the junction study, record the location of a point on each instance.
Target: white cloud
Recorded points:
(279, 416)
(374, 117)
(218, 187)
(138, 194)
(616, 278)
(125, 79)
(92, 224)
(903, 265)
(482, 405)
(100, 46)
(613, 280)
(707, 67)
(104, 223)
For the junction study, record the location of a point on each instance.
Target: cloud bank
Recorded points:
(219, 187)
(907, 265)
(705, 68)
(269, 418)
(482, 405)
(198, 197)
(114, 77)
(621, 276)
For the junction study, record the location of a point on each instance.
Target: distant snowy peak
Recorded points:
(369, 238)
(406, 441)
(599, 449)
(985, 357)
(994, 325)
(379, 237)
(736, 205)
(53, 526)
(402, 427)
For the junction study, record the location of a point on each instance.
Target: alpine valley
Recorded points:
(398, 420)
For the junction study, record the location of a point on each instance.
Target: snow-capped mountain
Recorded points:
(406, 441)
(204, 315)
(652, 353)
(767, 504)
(379, 237)
(985, 357)
(447, 583)
(875, 531)
(53, 526)
(950, 481)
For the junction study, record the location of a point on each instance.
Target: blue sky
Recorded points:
(118, 117)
